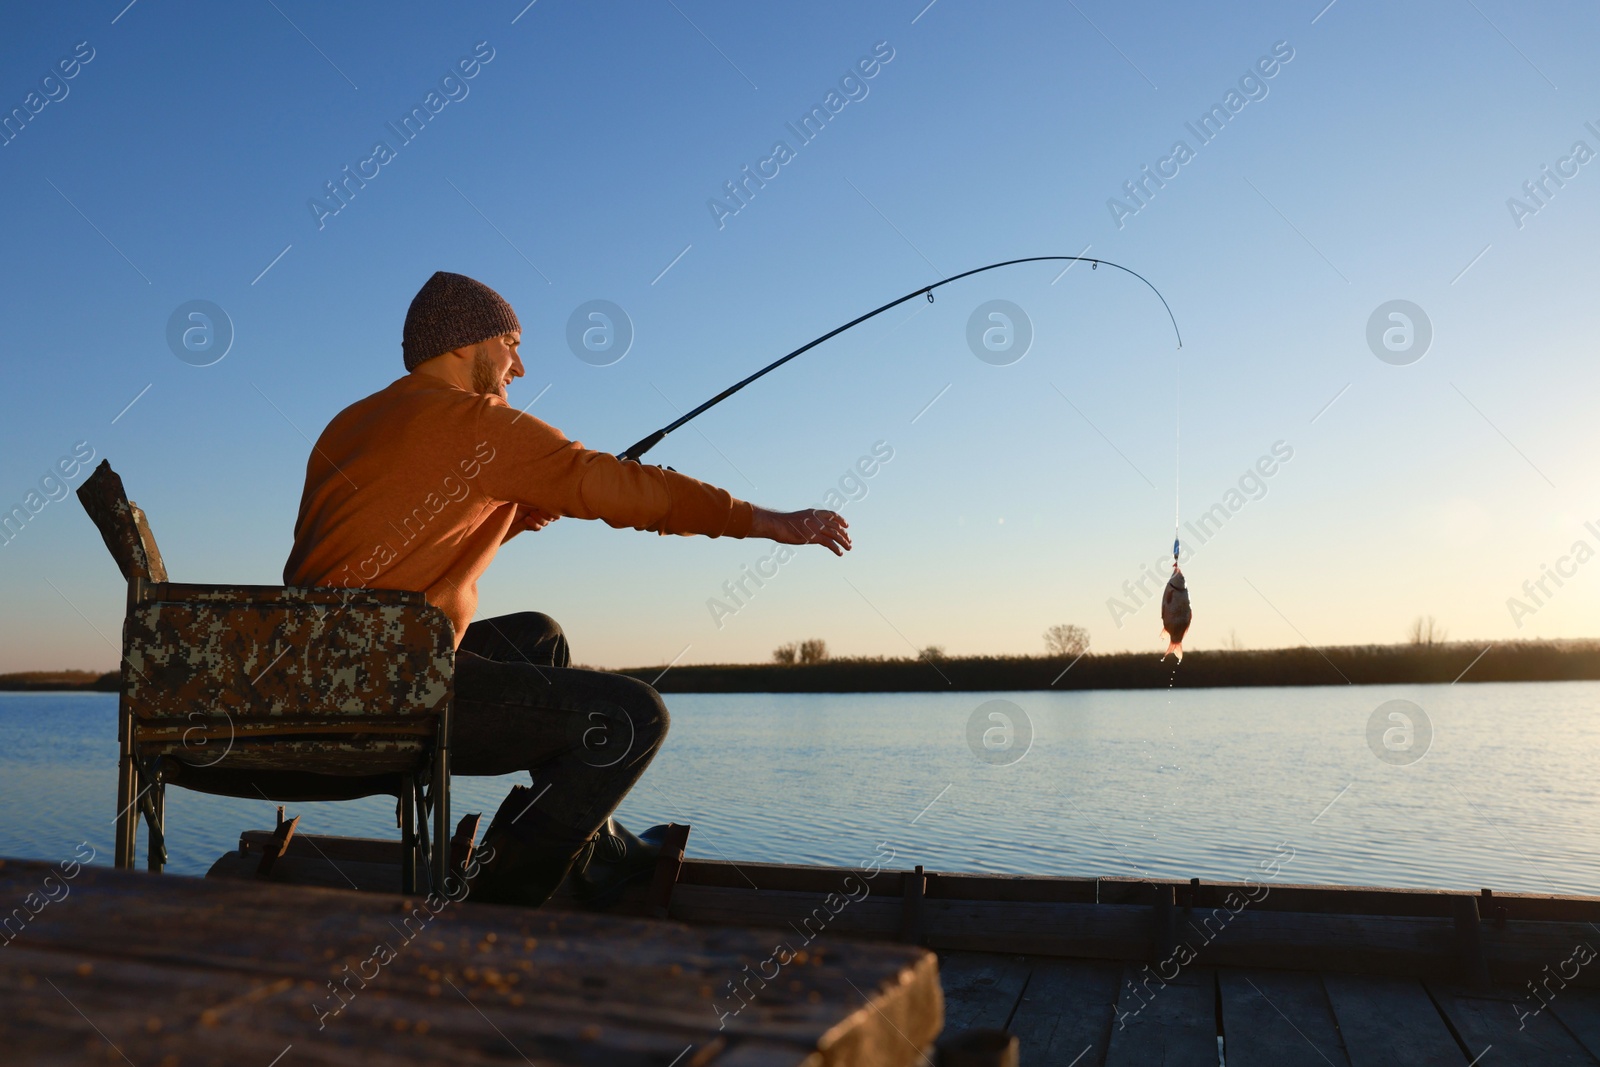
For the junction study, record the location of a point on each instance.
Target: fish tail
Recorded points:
(1174, 648)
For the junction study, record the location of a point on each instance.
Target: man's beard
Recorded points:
(484, 377)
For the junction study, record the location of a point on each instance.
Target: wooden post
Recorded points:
(912, 930)
(1165, 919)
(1472, 964)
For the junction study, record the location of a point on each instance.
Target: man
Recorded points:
(417, 486)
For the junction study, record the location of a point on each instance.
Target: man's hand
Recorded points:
(812, 526)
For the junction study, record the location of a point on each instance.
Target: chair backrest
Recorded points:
(122, 525)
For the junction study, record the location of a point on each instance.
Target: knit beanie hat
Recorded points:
(452, 311)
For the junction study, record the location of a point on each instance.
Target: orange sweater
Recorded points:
(417, 486)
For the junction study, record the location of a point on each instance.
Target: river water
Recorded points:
(1472, 785)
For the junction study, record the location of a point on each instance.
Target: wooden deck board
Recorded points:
(1388, 1022)
(1065, 1015)
(1277, 1017)
(981, 989)
(1490, 1022)
(1363, 930)
(1578, 1009)
(1173, 1023)
(229, 972)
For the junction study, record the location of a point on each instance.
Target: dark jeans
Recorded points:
(584, 736)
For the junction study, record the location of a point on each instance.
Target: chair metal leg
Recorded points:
(424, 865)
(127, 818)
(151, 801)
(441, 808)
(408, 835)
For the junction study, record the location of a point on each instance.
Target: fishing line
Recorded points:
(640, 447)
(1177, 459)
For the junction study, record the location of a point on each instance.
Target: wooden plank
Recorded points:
(1267, 895)
(1578, 1009)
(981, 989)
(1261, 897)
(1173, 1023)
(1519, 952)
(1088, 931)
(1387, 1021)
(205, 1018)
(1271, 1018)
(1415, 947)
(1065, 1015)
(789, 877)
(1485, 1022)
(1248, 933)
(1013, 887)
(1264, 895)
(1373, 943)
(806, 915)
(216, 971)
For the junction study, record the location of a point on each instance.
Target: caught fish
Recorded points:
(1175, 613)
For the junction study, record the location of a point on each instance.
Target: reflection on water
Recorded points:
(1178, 783)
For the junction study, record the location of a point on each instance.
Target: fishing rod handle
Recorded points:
(634, 451)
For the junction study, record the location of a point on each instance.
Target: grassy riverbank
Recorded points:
(60, 680)
(1516, 661)
(1523, 661)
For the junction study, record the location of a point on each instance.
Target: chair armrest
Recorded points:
(122, 526)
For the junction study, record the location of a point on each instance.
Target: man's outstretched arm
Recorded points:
(548, 476)
(812, 526)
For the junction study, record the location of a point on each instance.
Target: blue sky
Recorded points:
(178, 164)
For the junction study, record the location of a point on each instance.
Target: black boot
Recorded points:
(615, 860)
(525, 857)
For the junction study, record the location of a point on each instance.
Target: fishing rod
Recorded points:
(640, 447)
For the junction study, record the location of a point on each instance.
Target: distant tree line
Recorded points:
(1419, 663)
(61, 680)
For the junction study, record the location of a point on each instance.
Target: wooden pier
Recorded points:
(243, 967)
(109, 966)
(1096, 1014)
(1095, 971)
